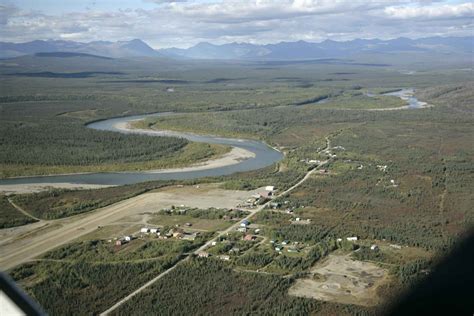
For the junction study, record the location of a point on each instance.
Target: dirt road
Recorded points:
(208, 243)
(23, 244)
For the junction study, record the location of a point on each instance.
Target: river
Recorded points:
(264, 155)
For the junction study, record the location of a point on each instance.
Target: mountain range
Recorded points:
(120, 49)
(299, 50)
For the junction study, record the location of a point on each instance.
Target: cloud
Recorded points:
(182, 24)
(432, 12)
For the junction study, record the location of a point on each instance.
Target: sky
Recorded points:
(183, 23)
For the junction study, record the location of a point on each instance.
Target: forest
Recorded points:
(200, 287)
(88, 277)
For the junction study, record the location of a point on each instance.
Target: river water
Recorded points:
(264, 154)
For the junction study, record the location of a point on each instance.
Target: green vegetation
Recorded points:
(10, 216)
(210, 213)
(427, 153)
(201, 287)
(89, 277)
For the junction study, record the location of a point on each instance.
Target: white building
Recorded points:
(352, 238)
(144, 230)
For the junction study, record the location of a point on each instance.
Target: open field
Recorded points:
(25, 246)
(340, 279)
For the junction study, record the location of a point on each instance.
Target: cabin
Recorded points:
(203, 254)
(265, 194)
(244, 223)
(224, 257)
(250, 237)
(189, 236)
(242, 229)
(270, 188)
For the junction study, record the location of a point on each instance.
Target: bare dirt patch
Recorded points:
(343, 280)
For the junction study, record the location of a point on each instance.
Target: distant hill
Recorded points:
(300, 50)
(133, 48)
(327, 49)
(69, 55)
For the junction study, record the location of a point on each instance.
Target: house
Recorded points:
(144, 230)
(244, 223)
(249, 237)
(278, 248)
(257, 231)
(374, 247)
(265, 194)
(297, 219)
(242, 229)
(275, 205)
(293, 250)
(203, 254)
(127, 238)
(224, 257)
(118, 243)
(352, 238)
(213, 243)
(153, 230)
(285, 242)
(178, 235)
(189, 236)
(270, 188)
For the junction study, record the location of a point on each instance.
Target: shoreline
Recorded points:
(233, 157)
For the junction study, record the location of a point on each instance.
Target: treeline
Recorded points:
(59, 203)
(53, 144)
(210, 213)
(103, 251)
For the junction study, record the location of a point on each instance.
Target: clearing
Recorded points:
(25, 243)
(341, 279)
